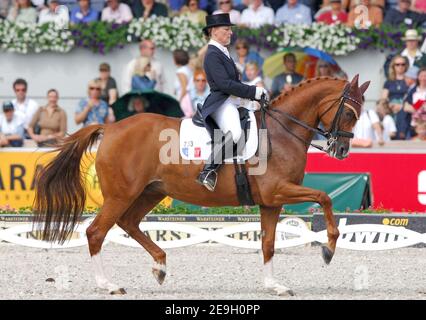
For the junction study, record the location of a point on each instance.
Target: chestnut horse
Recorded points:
(133, 180)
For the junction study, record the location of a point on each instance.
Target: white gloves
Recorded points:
(260, 92)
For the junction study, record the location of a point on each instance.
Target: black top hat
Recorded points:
(217, 20)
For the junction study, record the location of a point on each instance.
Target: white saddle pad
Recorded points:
(195, 141)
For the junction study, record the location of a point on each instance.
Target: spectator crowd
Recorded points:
(400, 112)
(250, 13)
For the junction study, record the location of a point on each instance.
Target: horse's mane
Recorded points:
(284, 95)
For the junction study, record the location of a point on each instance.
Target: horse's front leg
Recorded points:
(268, 220)
(292, 193)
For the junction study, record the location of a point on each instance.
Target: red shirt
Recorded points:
(329, 17)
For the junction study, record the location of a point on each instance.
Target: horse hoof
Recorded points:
(288, 292)
(159, 275)
(119, 291)
(327, 254)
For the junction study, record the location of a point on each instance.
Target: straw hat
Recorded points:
(411, 34)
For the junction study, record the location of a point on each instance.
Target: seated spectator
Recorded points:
(11, 127)
(245, 55)
(334, 15)
(253, 75)
(293, 12)
(23, 106)
(138, 104)
(375, 16)
(323, 69)
(257, 15)
(412, 51)
(146, 49)
(143, 77)
(403, 16)
(116, 12)
(386, 119)
(200, 90)
(52, 14)
(225, 6)
(415, 100)
(395, 88)
(403, 118)
(109, 92)
(84, 13)
(420, 129)
(367, 129)
(49, 122)
(192, 12)
(148, 8)
(92, 110)
(22, 12)
(184, 81)
(287, 80)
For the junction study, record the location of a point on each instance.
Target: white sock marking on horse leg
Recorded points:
(100, 276)
(159, 267)
(270, 283)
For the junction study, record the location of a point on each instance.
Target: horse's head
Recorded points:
(342, 117)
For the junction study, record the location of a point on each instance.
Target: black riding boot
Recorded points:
(208, 176)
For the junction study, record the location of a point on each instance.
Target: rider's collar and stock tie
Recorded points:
(332, 135)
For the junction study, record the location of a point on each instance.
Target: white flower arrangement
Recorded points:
(23, 38)
(175, 33)
(168, 32)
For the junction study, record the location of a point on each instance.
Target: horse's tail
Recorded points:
(60, 190)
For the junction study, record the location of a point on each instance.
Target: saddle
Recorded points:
(243, 187)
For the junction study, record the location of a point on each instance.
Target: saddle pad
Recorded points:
(195, 141)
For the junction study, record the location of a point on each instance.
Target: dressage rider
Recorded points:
(227, 94)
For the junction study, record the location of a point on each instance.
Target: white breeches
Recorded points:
(227, 116)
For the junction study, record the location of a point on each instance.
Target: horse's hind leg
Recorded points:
(129, 222)
(111, 210)
(268, 220)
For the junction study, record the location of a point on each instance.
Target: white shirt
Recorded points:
(255, 19)
(234, 15)
(389, 127)
(121, 15)
(156, 66)
(220, 47)
(364, 126)
(25, 110)
(16, 126)
(187, 72)
(404, 53)
(60, 17)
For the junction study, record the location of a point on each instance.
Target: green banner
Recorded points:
(348, 192)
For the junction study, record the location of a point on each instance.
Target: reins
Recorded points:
(331, 135)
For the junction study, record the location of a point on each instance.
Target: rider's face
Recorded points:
(222, 35)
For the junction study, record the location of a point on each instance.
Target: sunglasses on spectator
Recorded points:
(238, 48)
(200, 80)
(224, 2)
(95, 88)
(400, 64)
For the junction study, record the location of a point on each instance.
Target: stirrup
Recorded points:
(210, 185)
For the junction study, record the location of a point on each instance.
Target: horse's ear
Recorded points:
(364, 86)
(354, 81)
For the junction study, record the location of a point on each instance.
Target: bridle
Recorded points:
(332, 135)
